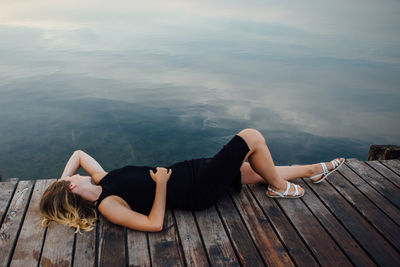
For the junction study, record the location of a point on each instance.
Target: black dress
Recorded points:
(194, 184)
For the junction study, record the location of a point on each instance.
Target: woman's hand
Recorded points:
(162, 175)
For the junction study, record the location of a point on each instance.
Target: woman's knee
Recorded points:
(252, 137)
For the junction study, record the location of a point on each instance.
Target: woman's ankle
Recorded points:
(281, 185)
(312, 169)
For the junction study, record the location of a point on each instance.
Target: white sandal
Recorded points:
(285, 194)
(336, 163)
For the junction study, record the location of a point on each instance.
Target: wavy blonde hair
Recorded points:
(59, 204)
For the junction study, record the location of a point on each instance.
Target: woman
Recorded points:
(137, 196)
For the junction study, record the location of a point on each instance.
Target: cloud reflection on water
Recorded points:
(306, 75)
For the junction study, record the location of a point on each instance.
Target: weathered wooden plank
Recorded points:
(85, 249)
(394, 165)
(57, 248)
(111, 244)
(193, 249)
(377, 152)
(385, 205)
(164, 245)
(13, 219)
(138, 248)
(379, 182)
(30, 239)
(350, 247)
(368, 209)
(367, 236)
(6, 194)
(385, 171)
(324, 248)
(216, 241)
(298, 251)
(272, 250)
(241, 240)
(375, 179)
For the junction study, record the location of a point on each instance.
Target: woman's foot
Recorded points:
(321, 170)
(290, 190)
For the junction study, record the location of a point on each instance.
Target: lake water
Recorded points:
(158, 82)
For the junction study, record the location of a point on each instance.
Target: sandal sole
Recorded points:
(276, 196)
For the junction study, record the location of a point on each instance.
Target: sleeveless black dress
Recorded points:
(194, 184)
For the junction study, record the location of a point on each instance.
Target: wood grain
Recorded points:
(57, 248)
(375, 179)
(368, 209)
(85, 246)
(138, 249)
(296, 247)
(111, 244)
(385, 171)
(216, 241)
(380, 201)
(333, 226)
(394, 165)
(10, 228)
(6, 194)
(239, 235)
(324, 248)
(194, 252)
(164, 245)
(31, 237)
(272, 250)
(366, 235)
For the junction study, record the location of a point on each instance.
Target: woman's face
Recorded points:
(77, 180)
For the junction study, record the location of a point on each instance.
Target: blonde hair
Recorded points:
(59, 204)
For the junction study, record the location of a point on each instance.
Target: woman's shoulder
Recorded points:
(109, 202)
(97, 177)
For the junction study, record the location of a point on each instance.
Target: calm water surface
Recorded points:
(158, 82)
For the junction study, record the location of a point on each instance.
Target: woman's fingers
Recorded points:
(161, 173)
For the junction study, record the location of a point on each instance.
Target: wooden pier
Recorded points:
(353, 218)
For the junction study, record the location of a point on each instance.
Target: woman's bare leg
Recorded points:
(288, 173)
(249, 176)
(261, 161)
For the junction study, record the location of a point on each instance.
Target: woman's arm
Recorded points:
(157, 212)
(81, 159)
(114, 211)
(72, 165)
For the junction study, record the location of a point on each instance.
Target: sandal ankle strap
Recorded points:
(280, 194)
